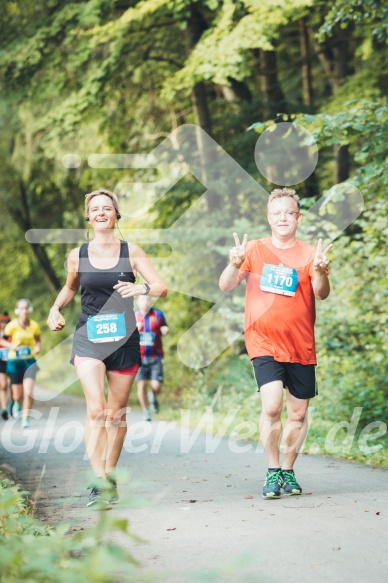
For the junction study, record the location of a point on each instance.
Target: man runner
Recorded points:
(283, 276)
(152, 326)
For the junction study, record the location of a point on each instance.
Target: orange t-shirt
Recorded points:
(279, 325)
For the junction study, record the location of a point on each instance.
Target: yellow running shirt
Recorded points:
(22, 336)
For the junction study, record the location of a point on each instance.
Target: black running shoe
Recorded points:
(153, 401)
(113, 495)
(272, 485)
(290, 485)
(156, 405)
(4, 414)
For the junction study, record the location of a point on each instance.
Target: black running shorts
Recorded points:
(17, 370)
(150, 370)
(298, 378)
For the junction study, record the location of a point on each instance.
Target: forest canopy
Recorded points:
(119, 77)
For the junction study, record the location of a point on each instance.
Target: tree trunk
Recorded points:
(335, 63)
(273, 97)
(341, 56)
(306, 69)
(23, 219)
(342, 165)
(341, 71)
(236, 90)
(195, 28)
(201, 109)
(325, 58)
(48, 271)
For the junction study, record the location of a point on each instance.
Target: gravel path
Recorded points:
(196, 502)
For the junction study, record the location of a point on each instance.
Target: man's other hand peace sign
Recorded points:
(321, 262)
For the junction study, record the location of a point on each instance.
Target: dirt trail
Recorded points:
(205, 519)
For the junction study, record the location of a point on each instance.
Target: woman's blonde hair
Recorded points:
(111, 195)
(282, 192)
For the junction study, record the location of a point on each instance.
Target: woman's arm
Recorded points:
(55, 320)
(141, 264)
(5, 344)
(38, 344)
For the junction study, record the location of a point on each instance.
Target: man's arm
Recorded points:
(321, 285)
(229, 278)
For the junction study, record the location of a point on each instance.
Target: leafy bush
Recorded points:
(37, 553)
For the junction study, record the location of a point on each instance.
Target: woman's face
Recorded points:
(23, 310)
(102, 213)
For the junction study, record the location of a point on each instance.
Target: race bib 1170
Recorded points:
(278, 279)
(106, 327)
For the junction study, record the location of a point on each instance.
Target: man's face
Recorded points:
(284, 217)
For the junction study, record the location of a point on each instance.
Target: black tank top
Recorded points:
(97, 293)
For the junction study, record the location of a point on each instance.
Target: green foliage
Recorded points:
(222, 52)
(363, 13)
(35, 552)
(363, 125)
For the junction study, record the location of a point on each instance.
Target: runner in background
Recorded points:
(21, 365)
(5, 345)
(152, 326)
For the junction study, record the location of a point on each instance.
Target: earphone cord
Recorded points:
(118, 228)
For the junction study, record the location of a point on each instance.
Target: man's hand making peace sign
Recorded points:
(237, 253)
(321, 261)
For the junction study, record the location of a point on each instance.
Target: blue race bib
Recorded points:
(147, 338)
(106, 327)
(278, 279)
(4, 353)
(23, 352)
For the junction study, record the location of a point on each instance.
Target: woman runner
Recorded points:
(24, 336)
(106, 341)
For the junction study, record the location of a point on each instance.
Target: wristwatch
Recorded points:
(146, 289)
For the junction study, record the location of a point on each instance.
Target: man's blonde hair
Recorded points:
(284, 192)
(111, 195)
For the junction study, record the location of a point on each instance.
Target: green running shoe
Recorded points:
(113, 495)
(290, 485)
(25, 422)
(16, 409)
(272, 485)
